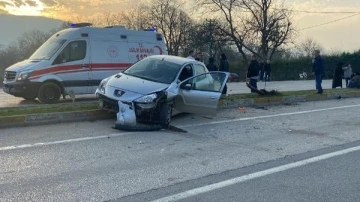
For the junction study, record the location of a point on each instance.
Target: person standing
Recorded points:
(318, 70)
(211, 66)
(253, 72)
(191, 55)
(337, 75)
(347, 74)
(224, 67)
(262, 70)
(267, 68)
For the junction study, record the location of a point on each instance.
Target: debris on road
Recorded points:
(175, 129)
(261, 107)
(262, 91)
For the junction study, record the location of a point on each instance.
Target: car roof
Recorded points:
(175, 59)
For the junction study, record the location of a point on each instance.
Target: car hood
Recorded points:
(135, 84)
(25, 65)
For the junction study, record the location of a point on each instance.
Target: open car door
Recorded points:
(201, 94)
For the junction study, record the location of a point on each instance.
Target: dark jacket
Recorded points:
(224, 66)
(267, 67)
(253, 69)
(337, 76)
(318, 66)
(212, 67)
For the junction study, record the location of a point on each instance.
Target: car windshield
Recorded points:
(48, 49)
(154, 69)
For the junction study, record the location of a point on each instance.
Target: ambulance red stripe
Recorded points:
(77, 68)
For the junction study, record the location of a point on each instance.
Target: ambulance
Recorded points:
(75, 60)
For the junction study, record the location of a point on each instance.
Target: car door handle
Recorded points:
(84, 66)
(212, 98)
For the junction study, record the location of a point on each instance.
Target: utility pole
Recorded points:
(210, 34)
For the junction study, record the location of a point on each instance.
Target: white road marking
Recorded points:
(212, 187)
(62, 141)
(269, 116)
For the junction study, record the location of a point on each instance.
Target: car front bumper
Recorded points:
(25, 88)
(132, 116)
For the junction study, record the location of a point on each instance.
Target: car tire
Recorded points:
(165, 115)
(49, 93)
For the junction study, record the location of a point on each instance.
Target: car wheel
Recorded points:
(165, 115)
(49, 93)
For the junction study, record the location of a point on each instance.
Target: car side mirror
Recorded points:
(186, 86)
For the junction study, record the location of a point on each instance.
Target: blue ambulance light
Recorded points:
(83, 24)
(152, 29)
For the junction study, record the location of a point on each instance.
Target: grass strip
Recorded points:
(49, 109)
(69, 107)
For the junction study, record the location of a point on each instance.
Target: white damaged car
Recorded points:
(144, 95)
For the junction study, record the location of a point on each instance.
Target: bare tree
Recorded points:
(255, 26)
(28, 42)
(207, 39)
(271, 25)
(24, 46)
(141, 21)
(172, 22)
(229, 22)
(308, 46)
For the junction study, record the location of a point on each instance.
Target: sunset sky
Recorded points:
(341, 35)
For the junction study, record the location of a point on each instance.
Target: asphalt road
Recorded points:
(90, 161)
(7, 100)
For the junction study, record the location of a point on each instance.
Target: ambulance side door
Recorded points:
(72, 66)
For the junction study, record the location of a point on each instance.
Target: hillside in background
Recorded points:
(13, 26)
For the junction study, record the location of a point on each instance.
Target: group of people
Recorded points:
(352, 80)
(345, 71)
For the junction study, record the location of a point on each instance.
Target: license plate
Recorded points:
(5, 88)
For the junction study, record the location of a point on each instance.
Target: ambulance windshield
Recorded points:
(48, 49)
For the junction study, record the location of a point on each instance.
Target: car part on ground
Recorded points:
(262, 91)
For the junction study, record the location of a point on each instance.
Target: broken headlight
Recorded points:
(147, 98)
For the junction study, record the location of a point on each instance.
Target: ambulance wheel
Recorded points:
(49, 93)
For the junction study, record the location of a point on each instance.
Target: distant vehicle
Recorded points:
(75, 60)
(146, 93)
(234, 77)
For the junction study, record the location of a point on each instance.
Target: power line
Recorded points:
(320, 12)
(326, 23)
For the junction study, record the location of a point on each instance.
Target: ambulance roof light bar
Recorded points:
(116, 26)
(153, 29)
(82, 24)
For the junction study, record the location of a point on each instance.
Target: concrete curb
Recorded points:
(53, 118)
(285, 100)
(93, 115)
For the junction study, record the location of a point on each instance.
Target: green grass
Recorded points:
(49, 109)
